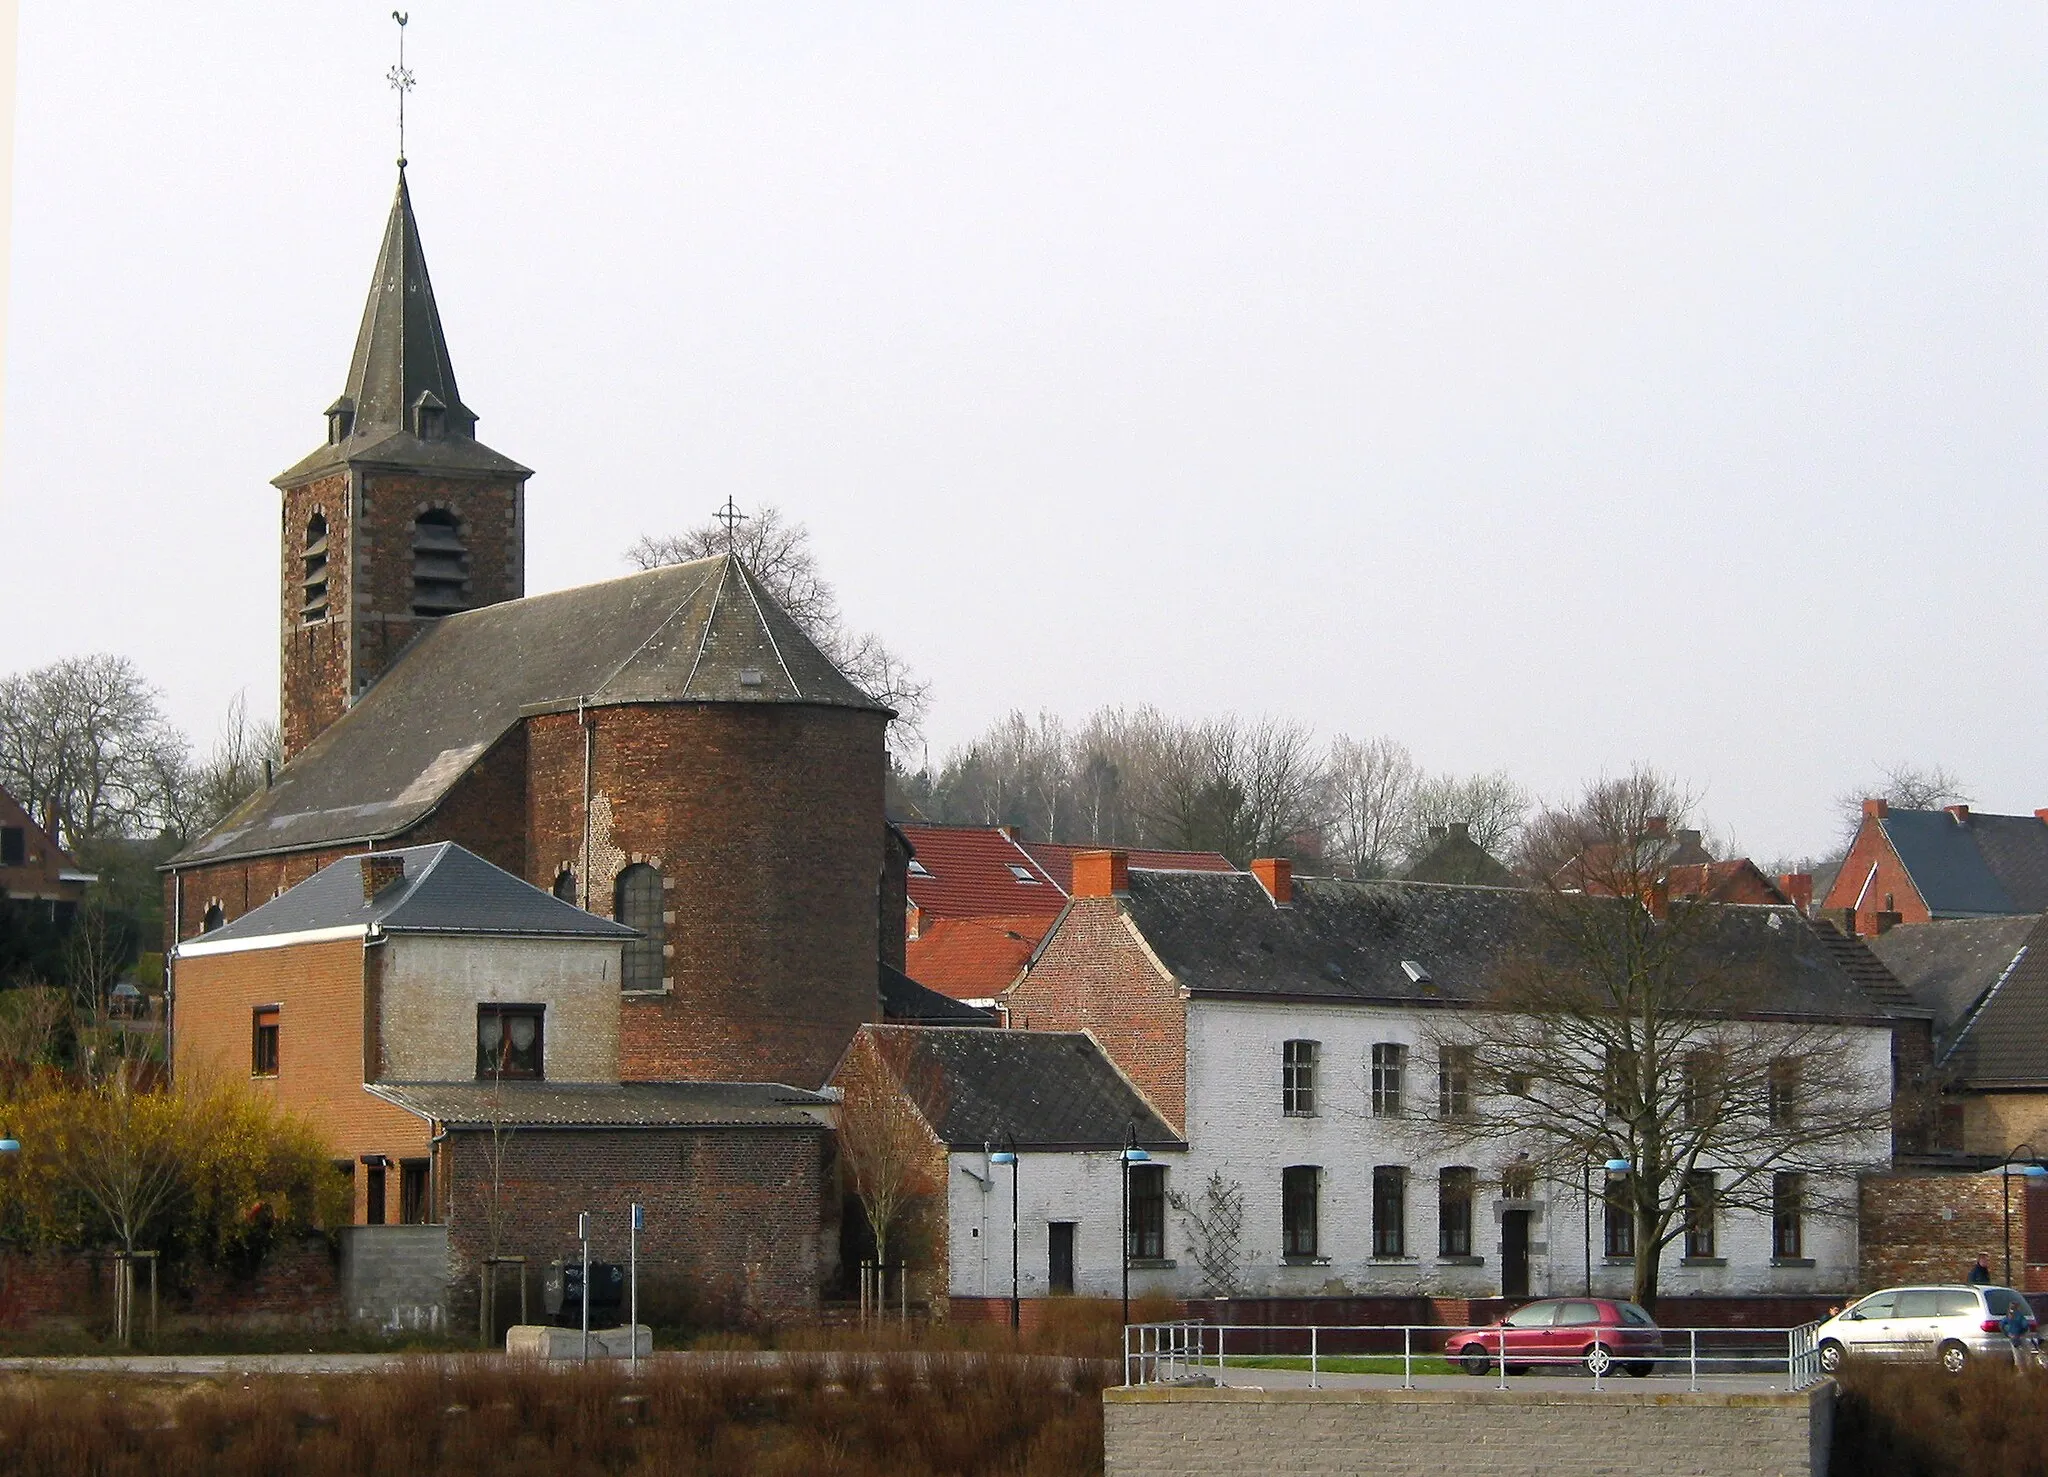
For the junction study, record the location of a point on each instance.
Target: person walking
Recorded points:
(2014, 1325)
(1980, 1275)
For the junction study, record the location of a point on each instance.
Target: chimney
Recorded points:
(1657, 898)
(1656, 827)
(1798, 889)
(1438, 833)
(1875, 810)
(1276, 875)
(1960, 814)
(1842, 920)
(1102, 873)
(1689, 839)
(379, 872)
(2041, 815)
(1884, 922)
(1461, 830)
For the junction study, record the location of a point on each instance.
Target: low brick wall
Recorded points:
(295, 1286)
(1153, 1431)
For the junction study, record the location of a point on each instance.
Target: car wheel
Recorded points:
(1474, 1361)
(1599, 1360)
(1640, 1368)
(1831, 1356)
(1953, 1356)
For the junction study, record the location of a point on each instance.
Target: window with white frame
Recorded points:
(1389, 1065)
(1298, 1079)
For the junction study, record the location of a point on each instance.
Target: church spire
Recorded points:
(401, 353)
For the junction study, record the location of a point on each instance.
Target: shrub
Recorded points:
(1907, 1421)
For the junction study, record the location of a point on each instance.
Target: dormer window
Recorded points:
(313, 583)
(440, 564)
(429, 417)
(341, 420)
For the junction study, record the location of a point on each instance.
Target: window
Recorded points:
(412, 1191)
(1148, 1211)
(1621, 1220)
(215, 918)
(1454, 1212)
(373, 1190)
(1454, 1081)
(918, 868)
(1388, 1061)
(1298, 1079)
(1389, 1210)
(1783, 1105)
(1948, 1128)
(313, 581)
(1619, 1082)
(1023, 874)
(1700, 1198)
(1788, 1215)
(1577, 1314)
(508, 1041)
(440, 564)
(1699, 1098)
(565, 885)
(1536, 1315)
(263, 1050)
(1517, 1182)
(13, 846)
(637, 903)
(1298, 1187)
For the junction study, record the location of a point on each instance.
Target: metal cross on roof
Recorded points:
(400, 78)
(731, 516)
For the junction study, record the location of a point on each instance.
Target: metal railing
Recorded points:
(1189, 1351)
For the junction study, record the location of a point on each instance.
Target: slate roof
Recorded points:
(1870, 972)
(1052, 1089)
(1455, 857)
(967, 873)
(445, 890)
(905, 1001)
(1947, 965)
(687, 633)
(402, 354)
(2003, 1043)
(1058, 860)
(973, 958)
(1346, 940)
(1974, 866)
(603, 1105)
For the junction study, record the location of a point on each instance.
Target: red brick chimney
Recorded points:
(1656, 827)
(1102, 873)
(1798, 888)
(1276, 875)
(1657, 898)
(2041, 815)
(1875, 810)
(1885, 921)
(379, 872)
(1960, 814)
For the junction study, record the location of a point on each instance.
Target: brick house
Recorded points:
(667, 749)
(41, 884)
(1916, 866)
(455, 1032)
(1282, 1027)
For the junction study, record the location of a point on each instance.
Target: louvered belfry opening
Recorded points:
(440, 564)
(313, 607)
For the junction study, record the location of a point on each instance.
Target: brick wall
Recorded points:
(1093, 975)
(319, 991)
(737, 1219)
(1932, 1227)
(314, 659)
(766, 823)
(295, 1286)
(1870, 848)
(1394, 1433)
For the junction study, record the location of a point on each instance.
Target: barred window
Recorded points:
(1454, 1081)
(1454, 1212)
(1389, 1064)
(637, 903)
(1148, 1211)
(1298, 1079)
(440, 564)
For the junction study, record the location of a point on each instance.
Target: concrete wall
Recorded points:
(429, 989)
(1079, 1187)
(395, 1278)
(1395, 1433)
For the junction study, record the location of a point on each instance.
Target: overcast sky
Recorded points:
(1551, 387)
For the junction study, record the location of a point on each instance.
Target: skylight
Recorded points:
(1415, 972)
(1022, 874)
(918, 869)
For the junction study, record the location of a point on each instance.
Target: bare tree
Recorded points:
(779, 553)
(1630, 1027)
(32, 1021)
(85, 739)
(1492, 805)
(1372, 791)
(243, 754)
(1903, 786)
(96, 952)
(890, 1102)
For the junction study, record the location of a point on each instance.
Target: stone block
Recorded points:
(545, 1341)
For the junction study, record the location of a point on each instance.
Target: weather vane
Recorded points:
(731, 516)
(400, 79)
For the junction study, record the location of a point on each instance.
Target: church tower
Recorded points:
(403, 516)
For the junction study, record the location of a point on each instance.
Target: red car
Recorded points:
(1598, 1333)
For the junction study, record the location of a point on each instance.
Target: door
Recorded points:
(1060, 1247)
(1514, 1254)
(1915, 1320)
(1867, 1327)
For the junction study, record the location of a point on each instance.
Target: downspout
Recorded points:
(588, 723)
(171, 970)
(434, 1174)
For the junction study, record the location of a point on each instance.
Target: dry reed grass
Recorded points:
(820, 1415)
(1913, 1421)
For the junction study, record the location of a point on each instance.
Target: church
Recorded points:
(667, 749)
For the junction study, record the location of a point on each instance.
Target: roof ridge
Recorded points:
(1984, 1003)
(746, 583)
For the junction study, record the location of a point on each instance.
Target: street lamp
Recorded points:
(1614, 1166)
(1008, 1155)
(1132, 1154)
(2033, 1172)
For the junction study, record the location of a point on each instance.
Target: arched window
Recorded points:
(440, 564)
(215, 917)
(565, 885)
(636, 902)
(313, 585)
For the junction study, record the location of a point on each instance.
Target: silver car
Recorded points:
(1949, 1325)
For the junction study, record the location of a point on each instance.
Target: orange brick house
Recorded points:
(1916, 866)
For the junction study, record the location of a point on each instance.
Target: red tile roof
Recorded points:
(1058, 860)
(1739, 880)
(973, 872)
(972, 958)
